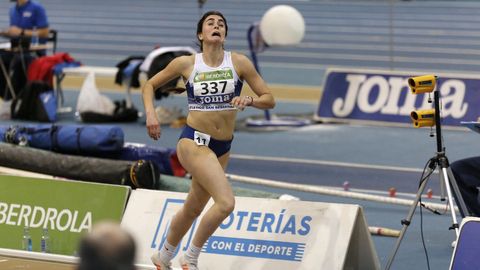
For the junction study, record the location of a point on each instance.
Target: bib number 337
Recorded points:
(213, 88)
(218, 82)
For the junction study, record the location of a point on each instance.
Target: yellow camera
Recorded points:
(423, 118)
(424, 123)
(422, 84)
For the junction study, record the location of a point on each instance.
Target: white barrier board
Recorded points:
(260, 233)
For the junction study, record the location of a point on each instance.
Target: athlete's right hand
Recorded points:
(153, 126)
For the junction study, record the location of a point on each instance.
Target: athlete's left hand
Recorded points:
(241, 102)
(153, 126)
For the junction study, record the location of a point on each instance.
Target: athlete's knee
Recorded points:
(226, 206)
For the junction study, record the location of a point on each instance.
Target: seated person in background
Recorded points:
(107, 247)
(27, 18)
(467, 176)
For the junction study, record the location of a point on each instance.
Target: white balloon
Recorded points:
(282, 25)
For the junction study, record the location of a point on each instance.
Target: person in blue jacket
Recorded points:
(27, 19)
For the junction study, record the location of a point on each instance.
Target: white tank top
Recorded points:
(212, 88)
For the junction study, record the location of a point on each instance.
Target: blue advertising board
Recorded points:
(467, 248)
(385, 97)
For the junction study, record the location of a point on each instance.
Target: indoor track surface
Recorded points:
(372, 158)
(339, 33)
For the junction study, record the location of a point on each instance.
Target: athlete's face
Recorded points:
(213, 30)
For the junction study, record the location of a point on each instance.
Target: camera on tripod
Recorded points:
(420, 85)
(430, 118)
(423, 118)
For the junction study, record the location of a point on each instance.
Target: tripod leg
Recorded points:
(406, 222)
(458, 195)
(450, 200)
(442, 188)
(8, 81)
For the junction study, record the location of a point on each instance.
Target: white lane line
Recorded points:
(328, 163)
(385, 193)
(345, 164)
(329, 191)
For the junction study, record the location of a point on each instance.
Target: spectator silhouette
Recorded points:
(107, 247)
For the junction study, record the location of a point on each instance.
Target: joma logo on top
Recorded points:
(389, 90)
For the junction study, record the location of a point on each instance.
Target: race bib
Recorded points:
(214, 87)
(201, 138)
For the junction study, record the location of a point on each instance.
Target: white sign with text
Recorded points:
(259, 234)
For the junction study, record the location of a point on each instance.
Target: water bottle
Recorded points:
(26, 239)
(45, 241)
(34, 37)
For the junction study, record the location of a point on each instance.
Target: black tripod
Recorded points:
(439, 160)
(8, 81)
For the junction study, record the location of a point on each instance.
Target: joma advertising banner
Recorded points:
(68, 209)
(386, 97)
(259, 234)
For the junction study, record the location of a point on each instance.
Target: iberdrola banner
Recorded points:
(68, 209)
